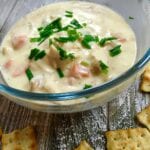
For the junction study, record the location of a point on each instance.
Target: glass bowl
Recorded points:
(96, 96)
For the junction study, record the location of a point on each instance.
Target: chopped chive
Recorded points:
(103, 67)
(69, 15)
(96, 39)
(86, 44)
(86, 40)
(115, 51)
(65, 39)
(50, 42)
(45, 32)
(33, 53)
(84, 63)
(69, 12)
(60, 73)
(32, 40)
(76, 24)
(104, 40)
(29, 74)
(40, 28)
(84, 24)
(64, 55)
(131, 17)
(40, 55)
(87, 86)
(73, 35)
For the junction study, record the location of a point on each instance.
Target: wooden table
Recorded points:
(64, 131)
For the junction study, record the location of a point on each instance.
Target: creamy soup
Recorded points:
(66, 47)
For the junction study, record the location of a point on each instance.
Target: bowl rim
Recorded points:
(67, 96)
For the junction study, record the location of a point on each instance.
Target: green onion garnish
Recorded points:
(50, 42)
(103, 67)
(65, 39)
(84, 24)
(115, 51)
(60, 73)
(32, 40)
(73, 35)
(87, 86)
(33, 53)
(64, 55)
(84, 63)
(40, 55)
(29, 74)
(86, 40)
(131, 17)
(76, 24)
(105, 40)
(96, 39)
(44, 32)
(37, 54)
(69, 14)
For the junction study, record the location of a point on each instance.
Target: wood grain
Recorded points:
(64, 131)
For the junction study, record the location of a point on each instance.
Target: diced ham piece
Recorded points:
(8, 64)
(120, 37)
(19, 41)
(20, 70)
(122, 40)
(78, 71)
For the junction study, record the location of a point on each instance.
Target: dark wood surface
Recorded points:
(64, 131)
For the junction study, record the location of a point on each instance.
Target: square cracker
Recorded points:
(84, 146)
(145, 83)
(130, 139)
(23, 139)
(144, 117)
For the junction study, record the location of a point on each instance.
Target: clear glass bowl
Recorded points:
(90, 98)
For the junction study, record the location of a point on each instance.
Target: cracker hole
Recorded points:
(10, 140)
(142, 135)
(138, 145)
(129, 137)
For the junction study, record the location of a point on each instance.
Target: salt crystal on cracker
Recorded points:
(130, 139)
(23, 139)
(84, 146)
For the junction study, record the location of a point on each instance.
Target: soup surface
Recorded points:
(65, 47)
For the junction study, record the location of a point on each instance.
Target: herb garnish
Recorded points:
(63, 54)
(103, 41)
(65, 39)
(73, 35)
(86, 40)
(84, 63)
(32, 40)
(60, 73)
(87, 86)
(44, 32)
(37, 54)
(115, 51)
(68, 13)
(33, 53)
(103, 67)
(40, 55)
(76, 24)
(29, 74)
(50, 42)
(131, 17)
